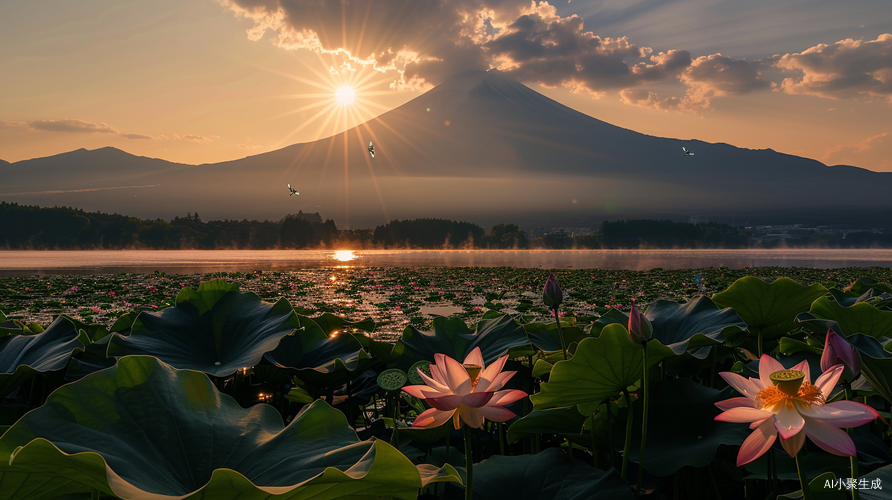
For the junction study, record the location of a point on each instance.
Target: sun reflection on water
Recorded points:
(344, 255)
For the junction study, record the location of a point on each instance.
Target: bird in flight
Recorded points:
(687, 152)
(371, 149)
(293, 192)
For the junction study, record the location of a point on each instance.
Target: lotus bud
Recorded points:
(552, 295)
(836, 349)
(640, 328)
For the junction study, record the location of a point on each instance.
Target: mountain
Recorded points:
(478, 147)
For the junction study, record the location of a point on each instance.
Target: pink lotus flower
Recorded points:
(836, 348)
(111, 294)
(464, 393)
(640, 328)
(95, 309)
(785, 401)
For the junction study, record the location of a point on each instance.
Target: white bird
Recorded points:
(687, 152)
(371, 149)
(293, 192)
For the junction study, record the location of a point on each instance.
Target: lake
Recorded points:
(87, 262)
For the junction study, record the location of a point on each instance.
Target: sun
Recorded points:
(345, 95)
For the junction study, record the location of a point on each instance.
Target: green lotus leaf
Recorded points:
(600, 369)
(769, 309)
(849, 298)
(331, 323)
(545, 336)
(452, 337)
(881, 477)
(608, 318)
(234, 331)
(207, 295)
(858, 318)
(682, 430)
(143, 429)
(549, 475)
(23, 356)
(862, 285)
(876, 363)
(565, 420)
(686, 327)
(318, 359)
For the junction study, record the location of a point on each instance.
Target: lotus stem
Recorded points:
(469, 465)
(803, 479)
(645, 396)
(94, 494)
(610, 448)
(628, 441)
(760, 342)
(592, 431)
(853, 460)
(557, 320)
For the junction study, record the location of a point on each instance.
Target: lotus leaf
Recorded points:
(686, 432)
(318, 359)
(769, 310)
(209, 330)
(881, 477)
(549, 475)
(876, 363)
(857, 318)
(683, 327)
(545, 336)
(862, 285)
(565, 420)
(23, 356)
(600, 369)
(452, 337)
(143, 429)
(329, 323)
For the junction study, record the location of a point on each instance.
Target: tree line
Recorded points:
(32, 227)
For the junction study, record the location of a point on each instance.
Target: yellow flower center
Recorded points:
(789, 386)
(474, 373)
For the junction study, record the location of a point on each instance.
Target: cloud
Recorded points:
(845, 69)
(874, 153)
(81, 126)
(64, 126)
(425, 42)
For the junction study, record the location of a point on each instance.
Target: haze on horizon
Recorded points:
(204, 81)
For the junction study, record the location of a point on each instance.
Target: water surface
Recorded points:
(86, 262)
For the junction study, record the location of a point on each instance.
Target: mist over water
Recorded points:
(80, 262)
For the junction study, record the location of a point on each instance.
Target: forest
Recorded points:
(57, 228)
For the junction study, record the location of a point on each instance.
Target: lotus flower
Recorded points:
(785, 401)
(640, 328)
(552, 295)
(466, 393)
(836, 348)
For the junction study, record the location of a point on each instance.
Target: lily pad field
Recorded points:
(448, 383)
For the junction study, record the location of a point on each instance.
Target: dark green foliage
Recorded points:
(428, 233)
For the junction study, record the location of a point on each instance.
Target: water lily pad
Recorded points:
(143, 429)
(23, 356)
(452, 337)
(215, 329)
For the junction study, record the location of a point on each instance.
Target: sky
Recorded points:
(203, 81)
